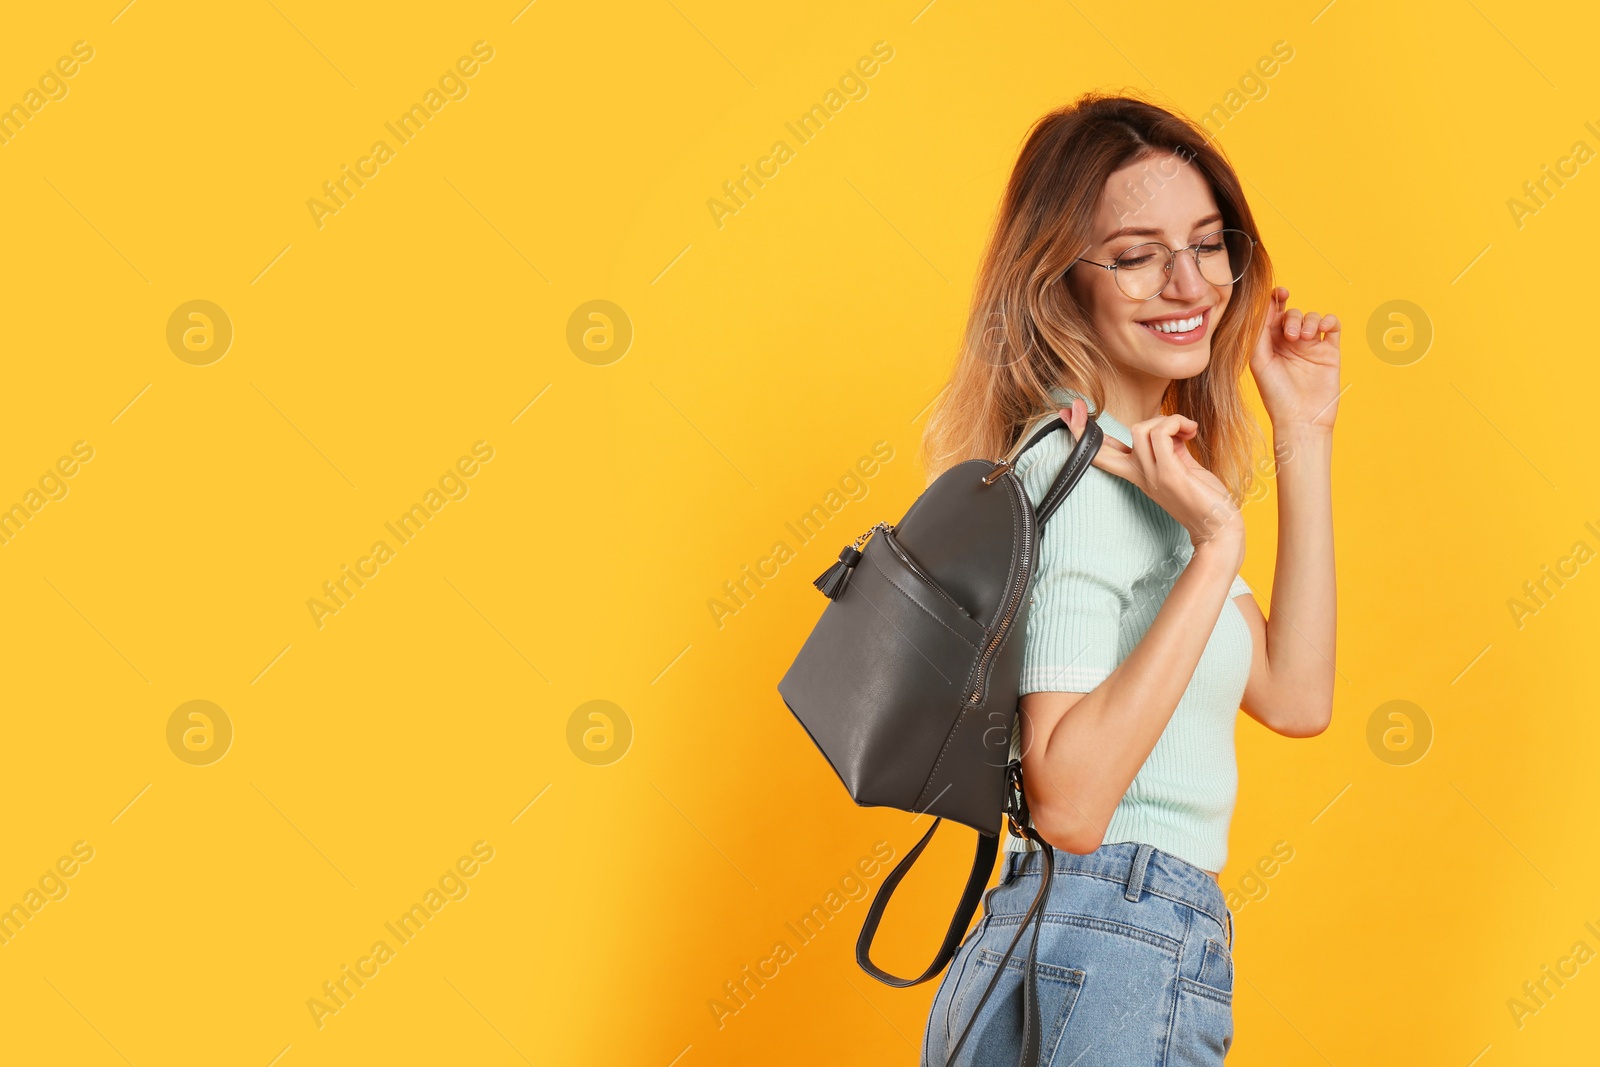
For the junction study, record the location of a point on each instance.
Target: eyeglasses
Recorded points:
(1144, 270)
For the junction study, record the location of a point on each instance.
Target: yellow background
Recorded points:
(768, 355)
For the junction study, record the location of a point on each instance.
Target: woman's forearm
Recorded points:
(1092, 752)
(1301, 619)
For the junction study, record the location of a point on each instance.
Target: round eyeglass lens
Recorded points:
(1223, 256)
(1142, 270)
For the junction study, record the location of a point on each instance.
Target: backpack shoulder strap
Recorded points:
(982, 866)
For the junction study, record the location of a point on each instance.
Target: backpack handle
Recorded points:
(1081, 459)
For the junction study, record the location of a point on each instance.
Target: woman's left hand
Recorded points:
(1296, 365)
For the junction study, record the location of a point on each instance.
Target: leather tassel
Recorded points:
(833, 580)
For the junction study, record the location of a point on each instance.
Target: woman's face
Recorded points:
(1159, 198)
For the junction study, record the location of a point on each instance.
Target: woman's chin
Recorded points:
(1170, 361)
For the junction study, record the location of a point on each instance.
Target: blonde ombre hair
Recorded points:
(1026, 332)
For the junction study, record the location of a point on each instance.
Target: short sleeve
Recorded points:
(1078, 598)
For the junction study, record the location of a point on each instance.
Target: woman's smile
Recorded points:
(1184, 328)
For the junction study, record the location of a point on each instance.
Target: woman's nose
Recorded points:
(1186, 281)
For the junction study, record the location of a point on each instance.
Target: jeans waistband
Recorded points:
(1140, 868)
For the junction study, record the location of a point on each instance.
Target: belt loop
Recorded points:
(1230, 928)
(1141, 860)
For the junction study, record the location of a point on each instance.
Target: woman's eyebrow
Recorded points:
(1145, 231)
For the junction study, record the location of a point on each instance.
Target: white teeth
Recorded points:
(1177, 325)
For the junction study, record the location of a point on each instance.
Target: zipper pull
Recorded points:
(833, 580)
(1000, 467)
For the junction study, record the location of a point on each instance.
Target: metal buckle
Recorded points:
(1016, 806)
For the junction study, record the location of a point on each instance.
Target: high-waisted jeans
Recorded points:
(1134, 967)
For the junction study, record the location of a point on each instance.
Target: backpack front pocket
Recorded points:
(907, 575)
(884, 739)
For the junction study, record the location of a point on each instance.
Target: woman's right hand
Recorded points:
(1160, 464)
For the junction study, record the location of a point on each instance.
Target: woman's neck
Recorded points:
(1135, 398)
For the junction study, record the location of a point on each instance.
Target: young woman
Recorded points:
(1126, 281)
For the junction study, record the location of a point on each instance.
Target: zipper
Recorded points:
(1016, 595)
(916, 568)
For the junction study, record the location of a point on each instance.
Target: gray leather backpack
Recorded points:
(908, 682)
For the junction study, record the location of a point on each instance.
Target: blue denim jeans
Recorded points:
(1135, 966)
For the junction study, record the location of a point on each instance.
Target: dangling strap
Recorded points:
(982, 867)
(1017, 812)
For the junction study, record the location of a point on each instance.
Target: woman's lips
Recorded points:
(1188, 337)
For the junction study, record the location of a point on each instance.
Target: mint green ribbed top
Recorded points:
(1107, 559)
